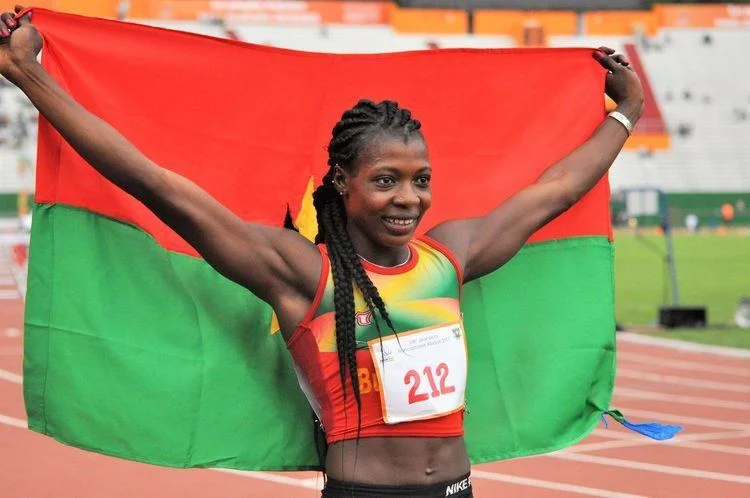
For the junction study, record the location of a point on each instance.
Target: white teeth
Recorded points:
(397, 221)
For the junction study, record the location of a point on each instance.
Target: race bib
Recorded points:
(422, 373)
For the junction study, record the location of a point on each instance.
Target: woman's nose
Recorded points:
(406, 196)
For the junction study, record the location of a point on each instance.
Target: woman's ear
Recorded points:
(340, 180)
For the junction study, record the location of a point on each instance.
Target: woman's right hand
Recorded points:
(621, 84)
(20, 42)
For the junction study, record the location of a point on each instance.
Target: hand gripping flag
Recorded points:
(137, 348)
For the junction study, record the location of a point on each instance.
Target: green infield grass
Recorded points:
(712, 270)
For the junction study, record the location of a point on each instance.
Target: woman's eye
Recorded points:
(423, 181)
(385, 181)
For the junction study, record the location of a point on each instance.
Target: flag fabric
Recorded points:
(135, 347)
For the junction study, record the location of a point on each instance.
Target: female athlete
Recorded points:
(340, 302)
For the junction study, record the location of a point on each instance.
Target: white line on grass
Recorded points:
(652, 467)
(696, 366)
(683, 381)
(693, 347)
(626, 392)
(10, 376)
(536, 483)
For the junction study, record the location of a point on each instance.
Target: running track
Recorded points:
(707, 393)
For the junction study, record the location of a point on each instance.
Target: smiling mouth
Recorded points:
(403, 222)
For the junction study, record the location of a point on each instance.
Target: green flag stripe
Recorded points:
(141, 353)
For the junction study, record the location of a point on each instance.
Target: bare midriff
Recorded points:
(397, 460)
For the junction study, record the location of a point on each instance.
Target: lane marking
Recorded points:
(682, 364)
(682, 419)
(12, 332)
(703, 436)
(689, 441)
(693, 347)
(15, 422)
(275, 478)
(536, 483)
(10, 376)
(316, 483)
(676, 398)
(9, 295)
(651, 467)
(683, 381)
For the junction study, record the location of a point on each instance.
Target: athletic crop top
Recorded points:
(422, 293)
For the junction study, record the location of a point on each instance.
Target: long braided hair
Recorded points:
(359, 128)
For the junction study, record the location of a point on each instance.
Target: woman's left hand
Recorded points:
(622, 84)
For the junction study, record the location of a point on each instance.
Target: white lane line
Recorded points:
(15, 422)
(263, 476)
(692, 347)
(675, 398)
(10, 376)
(536, 483)
(683, 381)
(275, 478)
(719, 448)
(682, 419)
(10, 295)
(703, 436)
(652, 467)
(689, 441)
(12, 332)
(682, 364)
(316, 483)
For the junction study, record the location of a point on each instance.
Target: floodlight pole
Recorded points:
(667, 227)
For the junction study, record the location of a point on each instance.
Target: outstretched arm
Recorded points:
(484, 244)
(271, 262)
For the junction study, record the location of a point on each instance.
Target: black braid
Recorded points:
(358, 126)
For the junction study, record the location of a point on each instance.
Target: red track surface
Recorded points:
(706, 393)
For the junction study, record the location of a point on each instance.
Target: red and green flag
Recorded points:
(135, 347)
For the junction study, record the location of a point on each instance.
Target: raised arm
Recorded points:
(484, 244)
(274, 263)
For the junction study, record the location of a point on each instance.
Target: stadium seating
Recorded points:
(695, 75)
(17, 141)
(702, 93)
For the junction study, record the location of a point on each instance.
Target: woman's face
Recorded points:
(387, 195)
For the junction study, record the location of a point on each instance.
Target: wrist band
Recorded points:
(622, 119)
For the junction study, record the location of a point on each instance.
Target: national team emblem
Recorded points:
(363, 318)
(456, 332)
